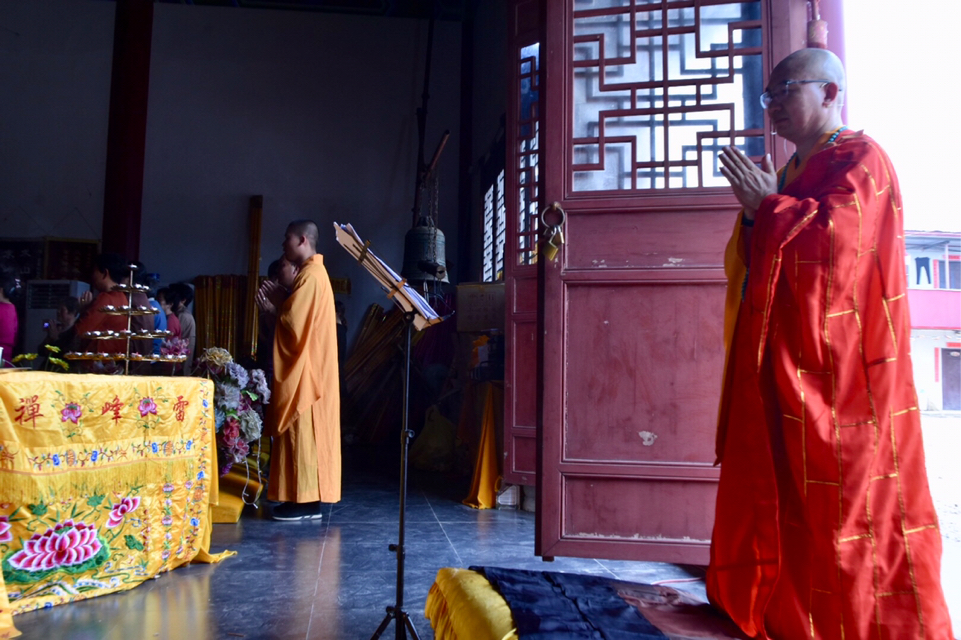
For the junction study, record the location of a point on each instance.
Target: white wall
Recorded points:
(316, 112)
(923, 345)
(55, 82)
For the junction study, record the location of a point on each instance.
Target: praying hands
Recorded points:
(751, 184)
(270, 297)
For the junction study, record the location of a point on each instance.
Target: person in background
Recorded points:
(188, 326)
(62, 332)
(8, 314)
(140, 323)
(109, 270)
(167, 299)
(278, 285)
(266, 320)
(159, 319)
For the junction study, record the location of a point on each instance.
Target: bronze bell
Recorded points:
(425, 257)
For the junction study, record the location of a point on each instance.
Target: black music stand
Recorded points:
(417, 313)
(396, 611)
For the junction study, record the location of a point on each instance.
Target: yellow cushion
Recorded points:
(463, 605)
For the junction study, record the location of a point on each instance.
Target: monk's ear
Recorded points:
(831, 93)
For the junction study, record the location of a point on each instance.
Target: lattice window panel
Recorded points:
(495, 230)
(659, 87)
(488, 275)
(528, 151)
(500, 228)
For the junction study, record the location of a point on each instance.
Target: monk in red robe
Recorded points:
(825, 526)
(305, 461)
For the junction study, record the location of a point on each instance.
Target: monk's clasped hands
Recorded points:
(750, 183)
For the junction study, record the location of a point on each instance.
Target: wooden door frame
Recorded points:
(784, 21)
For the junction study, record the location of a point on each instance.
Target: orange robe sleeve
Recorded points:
(305, 346)
(825, 527)
(305, 406)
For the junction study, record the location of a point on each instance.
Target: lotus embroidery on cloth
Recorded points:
(5, 534)
(121, 509)
(67, 546)
(147, 405)
(71, 412)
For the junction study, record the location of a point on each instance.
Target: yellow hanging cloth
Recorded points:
(483, 490)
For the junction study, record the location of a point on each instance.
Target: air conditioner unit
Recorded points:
(43, 300)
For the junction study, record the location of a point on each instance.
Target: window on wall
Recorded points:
(495, 230)
(659, 88)
(949, 274)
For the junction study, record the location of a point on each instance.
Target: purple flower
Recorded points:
(147, 405)
(71, 412)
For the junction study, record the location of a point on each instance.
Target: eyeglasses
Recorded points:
(782, 91)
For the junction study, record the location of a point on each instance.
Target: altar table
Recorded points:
(105, 481)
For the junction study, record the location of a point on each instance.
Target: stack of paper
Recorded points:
(397, 288)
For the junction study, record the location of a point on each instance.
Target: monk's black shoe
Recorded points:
(297, 511)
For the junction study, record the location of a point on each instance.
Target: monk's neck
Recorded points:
(808, 146)
(302, 260)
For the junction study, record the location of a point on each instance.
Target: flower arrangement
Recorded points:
(53, 360)
(239, 399)
(174, 347)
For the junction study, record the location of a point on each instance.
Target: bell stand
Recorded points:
(396, 612)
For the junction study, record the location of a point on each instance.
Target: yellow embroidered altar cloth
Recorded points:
(105, 481)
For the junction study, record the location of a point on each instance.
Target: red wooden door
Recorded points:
(640, 96)
(520, 254)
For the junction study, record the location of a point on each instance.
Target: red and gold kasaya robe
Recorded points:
(825, 526)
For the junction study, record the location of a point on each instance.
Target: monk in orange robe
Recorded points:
(825, 526)
(305, 463)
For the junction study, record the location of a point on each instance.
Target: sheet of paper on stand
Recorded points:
(396, 287)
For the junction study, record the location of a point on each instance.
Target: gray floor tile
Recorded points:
(331, 578)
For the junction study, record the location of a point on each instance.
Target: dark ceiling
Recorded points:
(441, 9)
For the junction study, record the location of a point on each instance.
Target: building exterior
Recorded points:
(934, 293)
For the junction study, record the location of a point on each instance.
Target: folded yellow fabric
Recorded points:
(462, 605)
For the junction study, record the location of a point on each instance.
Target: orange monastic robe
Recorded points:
(825, 526)
(305, 405)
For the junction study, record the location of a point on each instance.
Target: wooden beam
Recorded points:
(127, 127)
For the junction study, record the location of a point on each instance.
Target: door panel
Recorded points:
(520, 259)
(639, 98)
(644, 361)
(520, 447)
(625, 241)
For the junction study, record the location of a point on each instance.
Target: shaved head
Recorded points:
(306, 228)
(811, 63)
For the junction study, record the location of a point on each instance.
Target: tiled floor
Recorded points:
(331, 578)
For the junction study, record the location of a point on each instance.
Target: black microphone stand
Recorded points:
(396, 612)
